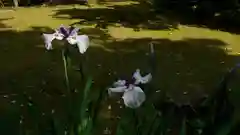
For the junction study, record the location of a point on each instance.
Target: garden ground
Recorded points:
(190, 60)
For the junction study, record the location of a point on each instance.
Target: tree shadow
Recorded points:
(190, 66)
(193, 65)
(82, 2)
(187, 69)
(226, 20)
(26, 69)
(142, 15)
(136, 16)
(67, 2)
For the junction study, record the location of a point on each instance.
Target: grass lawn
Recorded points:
(190, 60)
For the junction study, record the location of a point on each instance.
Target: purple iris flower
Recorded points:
(68, 31)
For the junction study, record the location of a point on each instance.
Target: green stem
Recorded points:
(64, 56)
(135, 116)
(69, 97)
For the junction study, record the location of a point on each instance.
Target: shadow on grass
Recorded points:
(205, 14)
(136, 16)
(142, 16)
(27, 68)
(191, 66)
(67, 2)
(194, 66)
(223, 22)
(80, 2)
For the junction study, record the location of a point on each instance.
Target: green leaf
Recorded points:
(183, 127)
(235, 128)
(224, 128)
(120, 130)
(154, 125)
(82, 119)
(126, 125)
(95, 104)
(167, 116)
(148, 119)
(57, 126)
(9, 122)
(84, 102)
(86, 126)
(197, 123)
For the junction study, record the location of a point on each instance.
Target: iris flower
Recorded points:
(71, 35)
(133, 95)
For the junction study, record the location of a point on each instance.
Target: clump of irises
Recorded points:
(213, 114)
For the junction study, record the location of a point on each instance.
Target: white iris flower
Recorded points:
(133, 95)
(82, 41)
(71, 35)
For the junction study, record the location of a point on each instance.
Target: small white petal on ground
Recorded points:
(109, 107)
(13, 101)
(107, 131)
(185, 92)
(53, 111)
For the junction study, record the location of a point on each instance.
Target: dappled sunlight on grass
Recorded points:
(25, 18)
(190, 61)
(28, 52)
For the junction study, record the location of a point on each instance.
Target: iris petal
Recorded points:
(82, 43)
(134, 98)
(48, 38)
(140, 79)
